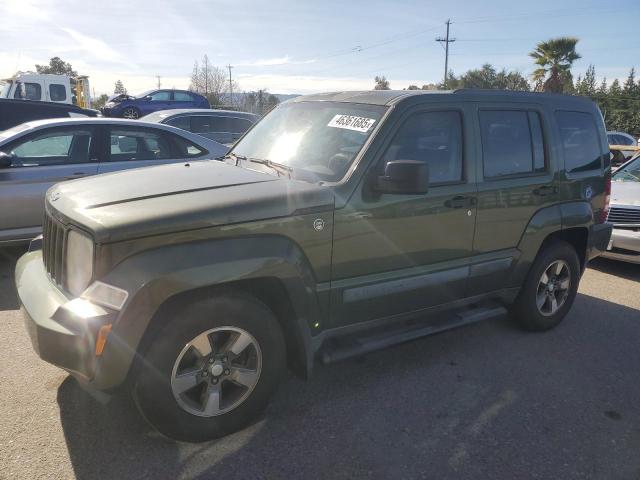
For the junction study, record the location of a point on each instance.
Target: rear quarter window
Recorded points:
(579, 139)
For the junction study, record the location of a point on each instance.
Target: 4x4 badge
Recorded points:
(318, 224)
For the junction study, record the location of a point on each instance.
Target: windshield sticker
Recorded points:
(349, 122)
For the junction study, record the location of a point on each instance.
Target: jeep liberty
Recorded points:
(339, 224)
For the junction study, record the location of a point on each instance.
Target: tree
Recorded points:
(381, 83)
(119, 88)
(413, 87)
(99, 102)
(57, 66)
(213, 83)
(555, 58)
(488, 78)
(587, 86)
(259, 102)
(630, 86)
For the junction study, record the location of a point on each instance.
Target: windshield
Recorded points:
(629, 173)
(319, 140)
(4, 93)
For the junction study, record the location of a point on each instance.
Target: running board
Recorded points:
(343, 348)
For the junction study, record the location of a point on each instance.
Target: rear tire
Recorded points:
(549, 289)
(177, 353)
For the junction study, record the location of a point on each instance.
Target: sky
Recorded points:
(289, 46)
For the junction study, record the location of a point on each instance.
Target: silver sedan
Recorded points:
(35, 155)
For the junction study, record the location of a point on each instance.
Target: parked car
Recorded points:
(340, 223)
(15, 112)
(127, 106)
(618, 157)
(35, 155)
(224, 126)
(625, 213)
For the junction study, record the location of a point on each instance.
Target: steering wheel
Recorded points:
(339, 162)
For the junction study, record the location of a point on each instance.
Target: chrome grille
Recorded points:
(624, 215)
(54, 236)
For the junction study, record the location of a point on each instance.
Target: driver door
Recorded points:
(400, 253)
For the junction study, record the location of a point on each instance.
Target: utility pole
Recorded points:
(446, 41)
(230, 85)
(158, 77)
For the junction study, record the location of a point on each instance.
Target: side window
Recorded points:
(209, 124)
(239, 125)
(181, 122)
(134, 144)
(33, 91)
(182, 97)
(162, 96)
(512, 143)
(186, 148)
(579, 137)
(53, 148)
(57, 92)
(434, 138)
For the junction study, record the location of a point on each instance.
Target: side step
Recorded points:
(369, 341)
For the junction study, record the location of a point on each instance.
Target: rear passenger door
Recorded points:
(515, 180)
(133, 147)
(40, 160)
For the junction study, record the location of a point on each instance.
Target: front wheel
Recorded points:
(212, 370)
(131, 113)
(549, 289)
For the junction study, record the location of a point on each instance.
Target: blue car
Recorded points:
(127, 106)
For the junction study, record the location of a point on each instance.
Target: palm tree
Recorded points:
(555, 58)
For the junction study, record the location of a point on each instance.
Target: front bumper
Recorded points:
(624, 246)
(63, 330)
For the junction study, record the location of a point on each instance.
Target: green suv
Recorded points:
(339, 224)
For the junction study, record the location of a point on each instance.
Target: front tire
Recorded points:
(549, 289)
(212, 370)
(131, 113)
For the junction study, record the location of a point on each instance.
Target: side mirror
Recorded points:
(6, 160)
(404, 176)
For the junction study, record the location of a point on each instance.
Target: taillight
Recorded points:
(604, 213)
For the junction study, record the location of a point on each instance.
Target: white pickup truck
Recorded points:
(47, 88)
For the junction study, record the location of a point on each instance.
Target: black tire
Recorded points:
(131, 113)
(525, 311)
(151, 385)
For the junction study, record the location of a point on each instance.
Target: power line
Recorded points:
(446, 41)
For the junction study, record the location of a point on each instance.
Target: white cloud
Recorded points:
(92, 45)
(29, 9)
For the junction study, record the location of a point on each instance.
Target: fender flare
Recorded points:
(154, 276)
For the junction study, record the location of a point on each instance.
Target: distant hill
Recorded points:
(286, 96)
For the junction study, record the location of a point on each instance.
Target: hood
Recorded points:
(180, 197)
(625, 193)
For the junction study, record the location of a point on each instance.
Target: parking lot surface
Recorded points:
(486, 401)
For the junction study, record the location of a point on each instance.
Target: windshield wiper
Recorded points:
(232, 156)
(278, 167)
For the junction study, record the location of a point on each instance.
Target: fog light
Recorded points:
(106, 295)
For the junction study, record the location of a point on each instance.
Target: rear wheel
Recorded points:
(131, 113)
(212, 370)
(549, 289)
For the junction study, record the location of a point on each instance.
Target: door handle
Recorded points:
(545, 190)
(460, 202)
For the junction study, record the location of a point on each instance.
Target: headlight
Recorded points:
(79, 262)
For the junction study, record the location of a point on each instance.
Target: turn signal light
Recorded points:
(101, 341)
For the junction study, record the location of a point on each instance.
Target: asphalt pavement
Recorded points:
(485, 401)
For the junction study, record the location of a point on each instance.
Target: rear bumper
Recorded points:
(599, 236)
(625, 246)
(63, 330)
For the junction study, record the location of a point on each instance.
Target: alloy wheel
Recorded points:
(553, 288)
(216, 371)
(131, 113)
